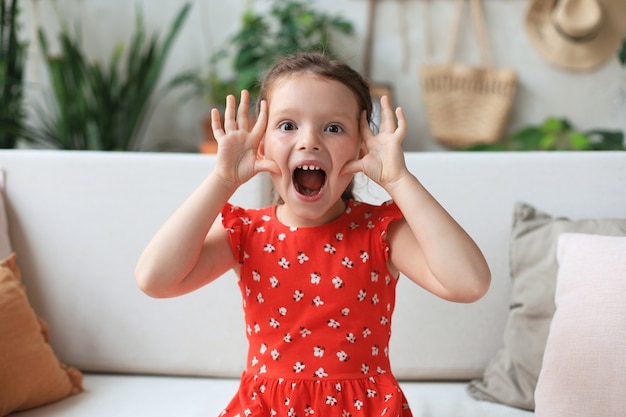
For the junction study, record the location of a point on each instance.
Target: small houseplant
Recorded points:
(96, 106)
(289, 26)
(12, 58)
(556, 134)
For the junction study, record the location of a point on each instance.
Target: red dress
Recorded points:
(318, 303)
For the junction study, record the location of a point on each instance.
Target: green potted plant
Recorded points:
(103, 106)
(556, 134)
(289, 26)
(12, 57)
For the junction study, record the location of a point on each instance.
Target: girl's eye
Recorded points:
(286, 126)
(334, 128)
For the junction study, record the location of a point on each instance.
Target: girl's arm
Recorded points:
(191, 249)
(427, 245)
(432, 249)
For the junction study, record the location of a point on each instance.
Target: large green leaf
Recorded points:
(12, 60)
(104, 106)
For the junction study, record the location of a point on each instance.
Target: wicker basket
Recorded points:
(466, 104)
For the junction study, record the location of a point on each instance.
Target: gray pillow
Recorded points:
(511, 376)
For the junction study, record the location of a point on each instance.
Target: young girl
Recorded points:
(318, 270)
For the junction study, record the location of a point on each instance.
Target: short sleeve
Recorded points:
(234, 220)
(387, 213)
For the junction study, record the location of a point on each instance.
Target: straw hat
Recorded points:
(576, 34)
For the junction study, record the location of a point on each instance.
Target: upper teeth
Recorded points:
(309, 167)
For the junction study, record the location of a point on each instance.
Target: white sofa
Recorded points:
(79, 220)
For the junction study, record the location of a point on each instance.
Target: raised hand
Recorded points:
(383, 156)
(238, 142)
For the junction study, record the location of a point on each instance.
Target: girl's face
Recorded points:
(312, 132)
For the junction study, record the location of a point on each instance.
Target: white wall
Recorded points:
(589, 100)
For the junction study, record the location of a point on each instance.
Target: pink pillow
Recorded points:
(584, 363)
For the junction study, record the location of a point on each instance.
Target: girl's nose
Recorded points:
(309, 140)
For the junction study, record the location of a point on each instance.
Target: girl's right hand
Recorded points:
(237, 160)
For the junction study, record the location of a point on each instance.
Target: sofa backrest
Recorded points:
(79, 220)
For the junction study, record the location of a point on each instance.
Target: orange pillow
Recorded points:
(30, 373)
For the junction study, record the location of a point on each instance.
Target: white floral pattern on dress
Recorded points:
(318, 314)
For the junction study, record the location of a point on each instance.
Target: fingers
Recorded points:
(261, 121)
(244, 108)
(402, 125)
(366, 129)
(352, 167)
(387, 116)
(262, 164)
(230, 122)
(392, 122)
(266, 165)
(216, 123)
(235, 118)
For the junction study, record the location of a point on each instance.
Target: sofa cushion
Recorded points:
(511, 376)
(167, 396)
(584, 363)
(30, 374)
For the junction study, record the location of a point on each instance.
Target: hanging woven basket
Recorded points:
(467, 104)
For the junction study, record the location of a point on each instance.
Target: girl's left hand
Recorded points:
(382, 159)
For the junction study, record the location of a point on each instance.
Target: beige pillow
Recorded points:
(584, 363)
(30, 374)
(511, 376)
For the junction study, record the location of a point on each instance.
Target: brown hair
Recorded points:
(323, 66)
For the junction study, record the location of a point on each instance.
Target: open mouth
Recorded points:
(309, 180)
